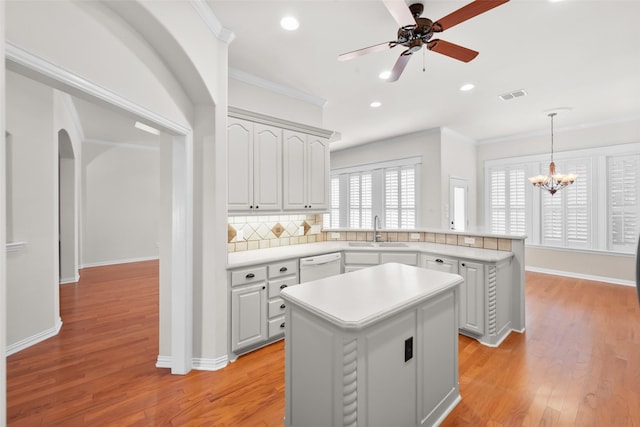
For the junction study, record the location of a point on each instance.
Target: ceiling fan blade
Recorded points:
(452, 50)
(466, 12)
(365, 50)
(399, 67)
(400, 12)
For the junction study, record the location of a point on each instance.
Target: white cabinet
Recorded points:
(248, 307)
(472, 297)
(431, 262)
(357, 260)
(305, 172)
(388, 358)
(254, 166)
(257, 310)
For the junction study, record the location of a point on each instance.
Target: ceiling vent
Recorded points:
(511, 95)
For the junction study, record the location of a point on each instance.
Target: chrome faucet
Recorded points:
(376, 224)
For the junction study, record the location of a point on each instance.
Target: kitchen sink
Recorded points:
(361, 244)
(392, 245)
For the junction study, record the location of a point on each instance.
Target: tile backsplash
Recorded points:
(260, 232)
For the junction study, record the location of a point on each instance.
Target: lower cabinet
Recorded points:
(356, 260)
(485, 296)
(249, 315)
(257, 311)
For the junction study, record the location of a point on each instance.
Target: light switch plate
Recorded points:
(469, 240)
(335, 235)
(415, 236)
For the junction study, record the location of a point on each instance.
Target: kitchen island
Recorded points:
(374, 347)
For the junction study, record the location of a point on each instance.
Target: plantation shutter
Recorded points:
(360, 200)
(498, 202)
(332, 220)
(408, 197)
(516, 203)
(623, 173)
(577, 205)
(391, 198)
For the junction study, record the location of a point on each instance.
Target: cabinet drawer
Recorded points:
(275, 286)
(439, 263)
(249, 275)
(276, 308)
(276, 327)
(399, 257)
(283, 268)
(368, 258)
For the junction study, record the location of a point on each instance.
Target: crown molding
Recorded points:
(239, 113)
(254, 80)
(206, 14)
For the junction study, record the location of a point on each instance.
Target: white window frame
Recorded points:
(598, 239)
(378, 203)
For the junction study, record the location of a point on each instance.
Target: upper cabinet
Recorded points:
(254, 166)
(275, 165)
(306, 172)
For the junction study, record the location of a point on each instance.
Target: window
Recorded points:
(507, 200)
(599, 211)
(388, 190)
(623, 176)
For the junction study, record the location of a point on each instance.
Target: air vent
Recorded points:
(511, 95)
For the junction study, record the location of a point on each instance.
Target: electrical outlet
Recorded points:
(415, 236)
(301, 231)
(408, 349)
(335, 235)
(469, 240)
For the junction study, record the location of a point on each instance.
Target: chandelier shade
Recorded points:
(552, 182)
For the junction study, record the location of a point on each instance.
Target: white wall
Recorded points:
(458, 156)
(32, 273)
(425, 144)
(615, 267)
(120, 202)
(3, 269)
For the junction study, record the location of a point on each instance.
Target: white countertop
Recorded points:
(260, 256)
(358, 299)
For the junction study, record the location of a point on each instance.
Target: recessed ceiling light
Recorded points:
(289, 23)
(466, 87)
(385, 75)
(375, 104)
(147, 128)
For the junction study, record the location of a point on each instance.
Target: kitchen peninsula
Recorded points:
(374, 347)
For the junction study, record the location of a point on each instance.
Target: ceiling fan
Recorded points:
(415, 32)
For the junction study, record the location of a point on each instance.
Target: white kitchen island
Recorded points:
(374, 347)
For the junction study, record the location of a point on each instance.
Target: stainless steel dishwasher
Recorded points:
(319, 267)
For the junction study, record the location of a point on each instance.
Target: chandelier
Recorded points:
(553, 181)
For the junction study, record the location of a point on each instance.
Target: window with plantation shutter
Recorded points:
(507, 200)
(389, 190)
(623, 176)
(600, 211)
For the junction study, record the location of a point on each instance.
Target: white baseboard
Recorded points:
(197, 363)
(118, 261)
(34, 339)
(581, 276)
(67, 280)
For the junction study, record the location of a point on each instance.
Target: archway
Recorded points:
(67, 210)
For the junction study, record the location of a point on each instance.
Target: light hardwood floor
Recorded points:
(578, 364)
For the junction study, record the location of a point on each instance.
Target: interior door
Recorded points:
(458, 202)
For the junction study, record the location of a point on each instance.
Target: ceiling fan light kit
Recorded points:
(416, 32)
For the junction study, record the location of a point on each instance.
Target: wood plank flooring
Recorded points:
(578, 364)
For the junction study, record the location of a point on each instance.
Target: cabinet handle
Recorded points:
(309, 206)
(283, 306)
(251, 207)
(257, 206)
(282, 325)
(250, 276)
(439, 260)
(283, 286)
(264, 287)
(283, 269)
(462, 264)
(305, 206)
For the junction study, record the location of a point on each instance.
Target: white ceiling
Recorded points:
(580, 54)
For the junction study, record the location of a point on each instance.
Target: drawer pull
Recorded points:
(250, 276)
(463, 264)
(439, 260)
(283, 306)
(282, 325)
(283, 286)
(264, 287)
(283, 269)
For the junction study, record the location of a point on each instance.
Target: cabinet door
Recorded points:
(240, 164)
(294, 148)
(248, 316)
(441, 264)
(472, 294)
(267, 168)
(318, 173)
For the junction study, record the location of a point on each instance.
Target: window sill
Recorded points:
(579, 250)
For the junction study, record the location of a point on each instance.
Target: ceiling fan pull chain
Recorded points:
(423, 60)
